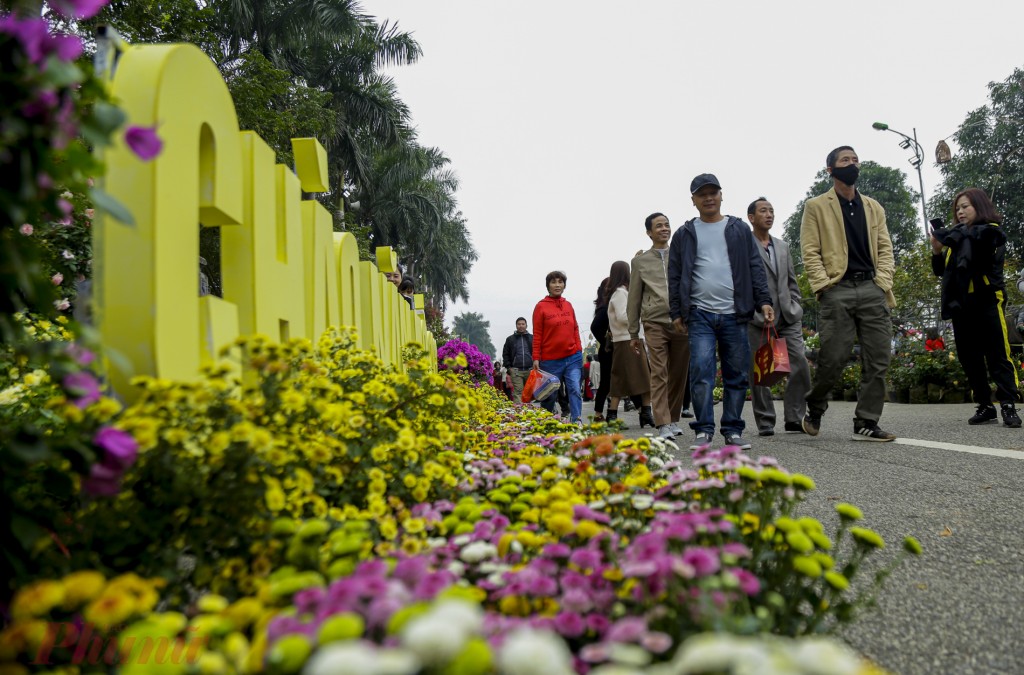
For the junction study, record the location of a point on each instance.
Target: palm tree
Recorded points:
(474, 329)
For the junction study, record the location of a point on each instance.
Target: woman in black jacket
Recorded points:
(599, 329)
(969, 258)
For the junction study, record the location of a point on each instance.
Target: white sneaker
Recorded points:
(676, 429)
(667, 432)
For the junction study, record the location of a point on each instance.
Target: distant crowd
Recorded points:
(704, 299)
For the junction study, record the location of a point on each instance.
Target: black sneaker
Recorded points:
(866, 430)
(795, 428)
(766, 432)
(986, 413)
(1010, 417)
(811, 424)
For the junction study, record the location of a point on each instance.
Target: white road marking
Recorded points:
(973, 449)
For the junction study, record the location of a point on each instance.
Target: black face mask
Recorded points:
(846, 174)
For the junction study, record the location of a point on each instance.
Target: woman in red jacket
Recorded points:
(556, 344)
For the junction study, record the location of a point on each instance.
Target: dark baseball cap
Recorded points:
(702, 180)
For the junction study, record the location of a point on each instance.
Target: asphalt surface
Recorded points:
(959, 607)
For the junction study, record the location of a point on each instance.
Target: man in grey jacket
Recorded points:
(785, 292)
(668, 348)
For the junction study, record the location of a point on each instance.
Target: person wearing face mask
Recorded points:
(969, 258)
(848, 259)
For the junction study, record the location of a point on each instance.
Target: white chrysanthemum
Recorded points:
(617, 669)
(345, 658)
(820, 656)
(438, 636)
(461, 614)
(564, 462)
(477, 551)
(528, 652)
(629, 655)
(397, 662)
(642, 502)
(707, 652)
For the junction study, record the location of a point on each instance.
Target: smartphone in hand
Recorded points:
(936, 223)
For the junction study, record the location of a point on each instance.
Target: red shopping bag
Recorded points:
(532, 380)
(771, 360)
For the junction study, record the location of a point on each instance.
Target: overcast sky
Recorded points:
(569, 122)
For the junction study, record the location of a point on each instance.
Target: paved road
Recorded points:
(959, 608)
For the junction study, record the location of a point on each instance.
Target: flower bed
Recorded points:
(338, 515)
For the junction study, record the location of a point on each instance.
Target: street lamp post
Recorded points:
(917, 161)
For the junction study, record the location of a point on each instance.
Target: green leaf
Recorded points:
(107, 117)
(61, 73)
(115, 208)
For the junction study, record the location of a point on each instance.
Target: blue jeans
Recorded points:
(708, 330)
(570, 371)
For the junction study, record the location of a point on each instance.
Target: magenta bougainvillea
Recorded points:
(477, 364)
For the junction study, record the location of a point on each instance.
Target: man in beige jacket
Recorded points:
(849, 263)
(668, 349)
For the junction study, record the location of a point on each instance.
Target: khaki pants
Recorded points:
(853, 309)
(518, 382)
(669, 354)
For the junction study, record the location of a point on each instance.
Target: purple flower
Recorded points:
(35, 38)
(143, 141)
(432, 584)
(66, 47)
(84, 387)
(34, 35)
(80, 354)
(410, 570)
(596, 652)
(570, 624)
(703, 561)
(121, 447)
(102, 481)
(576, 600)
(78, 9)
(749, 583)
(307, 599)
(628, 629)
(556, 550)
(585, 558)
(656, 642)
(598, 623)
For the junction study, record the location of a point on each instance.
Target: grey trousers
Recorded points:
(848, 310)
(797, 384)
(518, 382)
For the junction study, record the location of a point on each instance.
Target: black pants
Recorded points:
(980, 334)
(604, 362)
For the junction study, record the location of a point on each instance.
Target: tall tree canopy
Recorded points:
(991, 157)
(312, 68)
(890, 188)
(474, 329)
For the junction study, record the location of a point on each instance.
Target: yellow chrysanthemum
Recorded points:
(81, 587)
(37, 599)
(110, 609)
